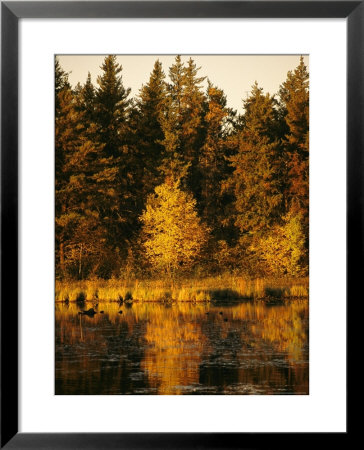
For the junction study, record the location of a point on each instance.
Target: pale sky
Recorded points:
(234, 74)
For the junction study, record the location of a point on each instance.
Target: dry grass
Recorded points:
(195, 290)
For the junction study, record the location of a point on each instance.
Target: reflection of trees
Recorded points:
(151, 348)
(100, 354)
(174, 347)
(220, 366)
(286, 329)
(259, 349)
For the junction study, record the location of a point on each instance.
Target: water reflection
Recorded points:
(151, 348)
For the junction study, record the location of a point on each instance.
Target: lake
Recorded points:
(182, 348)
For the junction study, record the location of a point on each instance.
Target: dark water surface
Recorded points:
(152, 348)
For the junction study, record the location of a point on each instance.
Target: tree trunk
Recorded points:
(80, 264)
(61, 249)
(61, 257)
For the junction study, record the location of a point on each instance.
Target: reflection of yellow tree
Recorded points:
(174, 347)
(259, 349)
(281, 326)
(178, 345)
(284, 328)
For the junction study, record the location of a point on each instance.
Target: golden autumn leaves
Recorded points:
(173, 234)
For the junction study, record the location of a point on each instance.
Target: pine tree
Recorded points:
(79, 230)
(150, 108)
(111, 106)
(294, 101)
(86, 99)
(182, 123)
(213, 164)
(117, 182)
(193, 132)
(173, 165)
(61, 81)
(257, 166)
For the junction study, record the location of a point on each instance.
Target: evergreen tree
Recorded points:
(294, 101)
(116, 183)
(257, 166)
(173, 165)
(213, 164)
(79, 230)
(182, 123)
(111, 106)
(60, 80)
(86, 99)
(193, 131)
(150, 107)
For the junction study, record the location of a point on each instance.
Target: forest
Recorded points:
(174, 184)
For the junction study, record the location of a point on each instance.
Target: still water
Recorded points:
(153, 348)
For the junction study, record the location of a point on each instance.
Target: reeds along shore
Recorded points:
(190, 290)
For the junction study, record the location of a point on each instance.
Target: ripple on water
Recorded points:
(250, 349)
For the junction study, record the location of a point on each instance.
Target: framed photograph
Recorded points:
(181, 223)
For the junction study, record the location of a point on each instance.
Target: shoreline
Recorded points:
(220, 302)
(211, 289)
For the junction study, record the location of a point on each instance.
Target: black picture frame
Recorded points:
(11, 12)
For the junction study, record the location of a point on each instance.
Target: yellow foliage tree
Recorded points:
(173, 235)
(283, 250)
